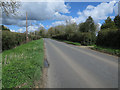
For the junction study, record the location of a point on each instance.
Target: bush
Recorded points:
(109, 38)
(83, 33)
(85, 38)
(13, 39)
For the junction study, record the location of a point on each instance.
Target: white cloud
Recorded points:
(117, 9)
(49, 26)
(34, 28)
(12, 30)
(58, 23)
(21, 30)
(58, 16)
(56, 11)
(21, 23)
(100, 12)
(89, 7)
(66, 0)
(79, 13)
(30, 29)
(99, 26)
(38, 11)
(70, 21)
(44, 10)
(41, 25)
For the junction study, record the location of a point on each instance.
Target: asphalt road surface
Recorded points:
(79, 67)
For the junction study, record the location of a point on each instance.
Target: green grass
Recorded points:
(23, 65)
(69, 42)
(0, 71)
(107, 50)
(73, 43)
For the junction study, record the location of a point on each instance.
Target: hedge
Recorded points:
(109, 38)
(13, 39)
(85, 38)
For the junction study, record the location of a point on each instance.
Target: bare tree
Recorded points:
(9, 6)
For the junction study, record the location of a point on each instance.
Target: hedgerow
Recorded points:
(13, 39)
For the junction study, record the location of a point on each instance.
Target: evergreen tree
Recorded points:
(117, 21)
(90, 26)
(109, 24)
(4, 28)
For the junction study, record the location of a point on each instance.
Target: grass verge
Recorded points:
(69, 42)
(22, 66)
(107, 50)
(73, 43)
(111, 51)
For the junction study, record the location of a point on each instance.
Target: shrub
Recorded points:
(13, 39)
(109, 38)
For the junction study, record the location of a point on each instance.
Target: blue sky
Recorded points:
(77, 12)
(80, 6)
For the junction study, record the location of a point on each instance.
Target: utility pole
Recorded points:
(26, 29)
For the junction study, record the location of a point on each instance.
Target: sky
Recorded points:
(49, 14)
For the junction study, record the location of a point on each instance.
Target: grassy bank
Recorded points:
(97, 48)
(107, 50)
(69, 42)
(73, 43)
(22, 66)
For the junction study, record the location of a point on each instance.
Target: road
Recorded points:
(78, 67)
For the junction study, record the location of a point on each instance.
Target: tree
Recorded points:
(82, 27)
(109, 36)
(109, 24)
(83, 33)
(42, 32)
(88, 25)
(9, 7)
(69, 30)
(2, 27)
(51, 32)
(117, 21)
(88, 29)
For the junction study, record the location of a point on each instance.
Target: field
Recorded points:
(22, 66)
